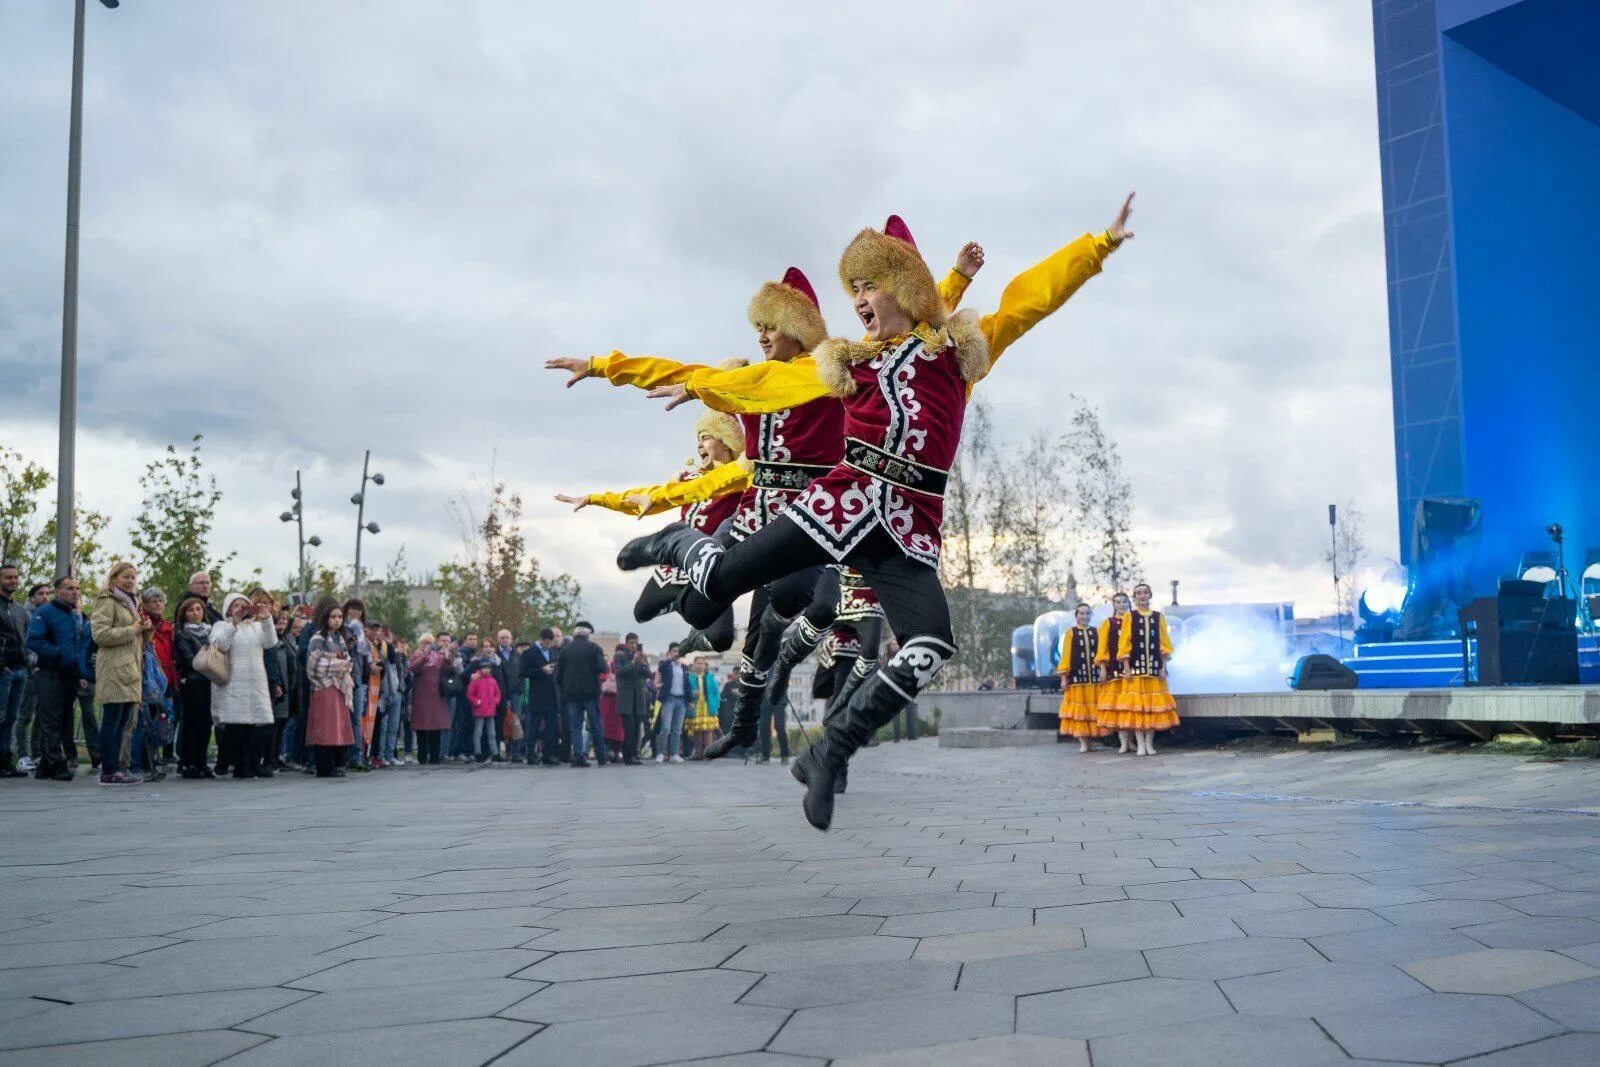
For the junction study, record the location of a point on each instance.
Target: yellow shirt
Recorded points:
(731, 477)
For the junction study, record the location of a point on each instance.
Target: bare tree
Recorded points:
(1102, 511)
(1348, 548)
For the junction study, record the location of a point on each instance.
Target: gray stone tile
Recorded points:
(1321, 989)
(1489, 889)
(766, 910)
(1121, 1007)
(693, 993)
(1372, 896)
(1312, 923)
(619, 962)
(586, 937)
(1239, 904)
(356, 1009)
(98, 950)
(662, 1037)
(144, 1016)
(1498, 970)
(1007, 1050)
(423, 944)
(195, 1049)
(624, 915)
(1116, 911)
(799, 955)
(1393, 944)
(878, 1026)
(813, 928)
(1045, 972)
(852, 982)
(1436, 1027)
(1452, 913)
(1232, 958)
(419, 970)
(47, 981)
(1162, 933)
(1192, 889)
(919, 903)
(1535, 932)
(428, 922)
(1234, 1039)
(933, 924)
(1568, 1050)
(1575, 1004)
(1576, 904)
(994, 944)
(426, 1044)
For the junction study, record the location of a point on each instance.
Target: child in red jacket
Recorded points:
(483, 693)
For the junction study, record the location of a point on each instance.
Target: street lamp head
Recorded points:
(295, 492)
(111, 3)
(314, 541)
(287, 516)
(355, 499)
(377, 479)
(372, 527)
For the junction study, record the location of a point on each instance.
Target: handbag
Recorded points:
(513, 726)
(212, 663)
(450, 687)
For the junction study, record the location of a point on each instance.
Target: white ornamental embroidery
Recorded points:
(922, 661)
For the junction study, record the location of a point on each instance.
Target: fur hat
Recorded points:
(791, 308)
(962, 333)
(890, 261)
(723, 427)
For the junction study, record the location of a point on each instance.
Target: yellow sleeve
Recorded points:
(759, 388)
(953, 288)
(646, 372)
(1166, 638)
(1102, 652)
(1065, 666)
(720, 481)
(1041, 289)
(1125, 638)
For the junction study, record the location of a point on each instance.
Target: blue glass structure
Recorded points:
(1489, 123)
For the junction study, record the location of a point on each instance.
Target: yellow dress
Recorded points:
(702, 719)
(1080, 709)
(1106, 656)
(1143, 701)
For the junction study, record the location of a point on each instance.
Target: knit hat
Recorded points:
(230, 600)
(722, 427)
(790, 307)
(890, 261)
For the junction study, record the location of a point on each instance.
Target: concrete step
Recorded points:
(988, 737)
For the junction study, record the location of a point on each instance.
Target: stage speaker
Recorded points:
(1318, 671)
(1522, 640)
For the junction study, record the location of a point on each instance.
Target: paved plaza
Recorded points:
(974, 906)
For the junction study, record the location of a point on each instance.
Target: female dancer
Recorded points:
(1109, 669)
(1080, 712)
(1144, 704)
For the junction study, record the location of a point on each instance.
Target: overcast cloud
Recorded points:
(316, 226)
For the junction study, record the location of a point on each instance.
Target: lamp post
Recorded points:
(66, 454)
(360, 501)
(296, 515)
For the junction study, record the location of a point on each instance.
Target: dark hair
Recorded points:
(444, 634)
(33, 591)
(65, 578)
(547, 634)
(325, 607)
(673, 647)
(183, 607)
(355, 602)
(8, 566)
(630, 637)
(1145, 585)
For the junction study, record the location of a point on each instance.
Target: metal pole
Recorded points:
(361, 510)
(67, 445)
(300, 532)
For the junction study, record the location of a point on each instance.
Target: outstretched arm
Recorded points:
(954, 286)
(646, 372)
(1041, 289)
(652, 499)
(756, 389)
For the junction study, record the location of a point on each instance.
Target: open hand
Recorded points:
(1118, 230)
(578, 368)
(578, 502)
(639, 502)
(969, 260)
(674, 395)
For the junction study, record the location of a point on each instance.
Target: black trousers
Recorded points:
(429, 743)
(194, 732)
(241, 747)
(542, 728)
(774, 716)
(56, 694)
(656, 600)
(630, 738)
(328, 757)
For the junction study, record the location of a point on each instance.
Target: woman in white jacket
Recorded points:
(242, 709)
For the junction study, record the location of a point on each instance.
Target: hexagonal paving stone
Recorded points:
(1313, 923)
(659, 1037)
(851, 982)
(618, 962)
(932, 924)
(1568, 1050)
(881, 1025)
(1536, 933)
(1237, 1039)
(812, 928)
(1577, 1004)
(1232, 958)
(1117, 911)
(686, 991)
(1393, 944)
(1436, 1027)
(1047, 971)
(993, 944)
(1498, 970)
(1164, 933)
(1580, 904)
(1119, 1007)
(1008, 1050)
(825, 952)
(1322, 989)
(417, 1045)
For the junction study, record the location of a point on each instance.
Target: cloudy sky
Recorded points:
(312, 227)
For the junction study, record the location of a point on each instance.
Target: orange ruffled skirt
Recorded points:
(1080, 711)
(1142, 702)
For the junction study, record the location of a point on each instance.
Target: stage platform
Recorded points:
(1437, 664)
(1480, 712)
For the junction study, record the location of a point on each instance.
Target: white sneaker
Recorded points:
(676, 759)
(26, 764)
(661, 759)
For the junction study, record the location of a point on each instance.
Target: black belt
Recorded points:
(792, 476)
(906, 473)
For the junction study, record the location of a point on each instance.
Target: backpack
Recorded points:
(154, 682)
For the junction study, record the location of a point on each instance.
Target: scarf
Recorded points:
(126, 601)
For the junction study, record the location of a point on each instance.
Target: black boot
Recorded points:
(799, 641)
(695, 641)
(8, 767)
(872, 706)
(676, 544)
(746, 717)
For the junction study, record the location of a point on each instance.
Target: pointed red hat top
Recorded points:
(896, 227)
(795, 278)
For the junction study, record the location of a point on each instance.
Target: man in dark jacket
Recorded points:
(59, 637)
(541, 713)
(578, 671)
(632, 671)
(508, 676)
(199, 589)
